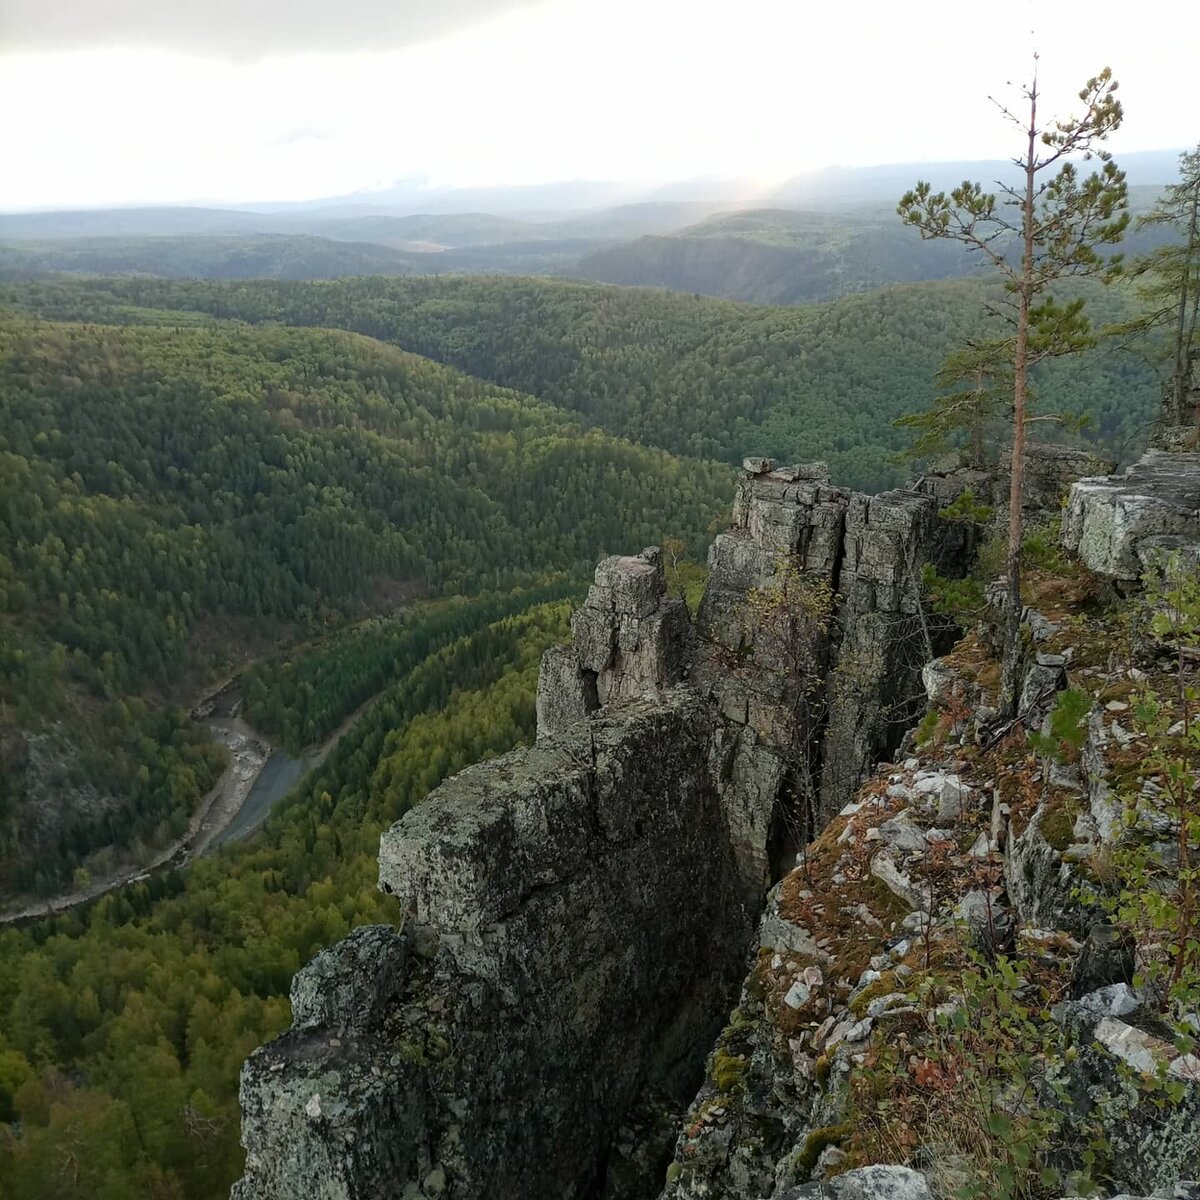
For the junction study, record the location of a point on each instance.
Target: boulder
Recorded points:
(865, 1183)
(1117, 524)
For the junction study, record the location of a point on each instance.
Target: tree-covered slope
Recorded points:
(777, 256)
(209, 257)
(123, 1026)
(697, 377)
(155, 480)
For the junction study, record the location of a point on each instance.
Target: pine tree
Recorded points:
(1060, 219)
(1170, 282)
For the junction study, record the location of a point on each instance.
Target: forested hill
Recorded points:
(778, 256)
(209, 257)
(697, 377)
(155, 480)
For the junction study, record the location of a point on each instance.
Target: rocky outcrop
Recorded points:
(811, 635)
(842, 940)
(577, 913)
(629, 641)
(1118, 524)
(1050, 471)
(496, 1054)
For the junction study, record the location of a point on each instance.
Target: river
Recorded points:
(280, 773)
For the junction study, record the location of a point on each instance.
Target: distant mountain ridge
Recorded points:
(816, 237)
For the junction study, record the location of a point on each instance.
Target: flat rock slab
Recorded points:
(1118, 523)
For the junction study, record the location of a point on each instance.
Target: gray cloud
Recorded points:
(239, 29)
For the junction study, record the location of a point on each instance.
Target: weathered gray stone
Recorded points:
(351, 985)
(865, 1183)
(629, 642)
(612, 830)
(1050, 472)
(1148, 1146)
(1118, 523)
(1044, 679)
(1114, 1000)
(583, 906)
(1107, 958)
(566, 693)
(1041, 885)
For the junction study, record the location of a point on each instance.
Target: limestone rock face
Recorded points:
(1118, 523)
(578, 913)
(505, 1059)
(628, 643)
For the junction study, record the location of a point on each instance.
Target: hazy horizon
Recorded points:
(235, 104)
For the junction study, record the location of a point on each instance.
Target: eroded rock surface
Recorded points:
(578, 913)
(1118, 524)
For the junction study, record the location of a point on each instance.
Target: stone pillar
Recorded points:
(628, 643)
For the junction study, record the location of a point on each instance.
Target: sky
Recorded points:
(159, 101)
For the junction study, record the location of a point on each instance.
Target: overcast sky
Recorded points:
(141, 101)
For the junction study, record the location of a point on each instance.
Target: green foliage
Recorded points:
(1068, 727)
(301, 697)
(125, 1023)
(983, 1094)
(163, 486)
(1060, 223)
(1169, 282)
(776, 256)
(1158, 899)
(701, 378)
(928, 727)
(965, 415)
(960, 599)
(966, 508)
(686, 578)
(1041, 546)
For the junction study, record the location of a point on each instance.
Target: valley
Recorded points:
(373, 494)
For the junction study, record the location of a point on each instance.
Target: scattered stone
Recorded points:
(901, 834)
(1115, 1000)
(884, 868)
(798, 995)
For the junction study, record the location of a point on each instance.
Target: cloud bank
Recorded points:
(239, 29)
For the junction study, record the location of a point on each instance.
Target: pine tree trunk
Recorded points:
(1182, 334)
(1010, 676)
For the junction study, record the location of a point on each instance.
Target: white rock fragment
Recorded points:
(798, 995)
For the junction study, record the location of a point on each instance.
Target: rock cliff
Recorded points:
(580, 913)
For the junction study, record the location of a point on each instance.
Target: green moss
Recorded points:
(822, 1068)
(673, 1172)
(1057, 822)
(887, 983)
(728, 1071)
(818, 1141)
